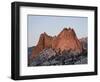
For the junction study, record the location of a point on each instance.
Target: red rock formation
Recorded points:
(44, 42)
(66, 40)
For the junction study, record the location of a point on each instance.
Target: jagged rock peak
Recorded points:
(68, 29)
(43, 34)
(67, 32)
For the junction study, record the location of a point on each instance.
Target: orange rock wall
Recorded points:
(66, 40)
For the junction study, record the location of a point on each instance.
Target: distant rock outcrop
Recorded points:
(84, 43)
(66, 40)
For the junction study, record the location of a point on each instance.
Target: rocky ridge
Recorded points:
(66, 40)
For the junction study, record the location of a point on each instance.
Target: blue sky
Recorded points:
(53, 25)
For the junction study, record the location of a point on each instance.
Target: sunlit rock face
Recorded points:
(66, 40)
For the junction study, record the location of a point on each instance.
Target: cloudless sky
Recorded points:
(53, 25)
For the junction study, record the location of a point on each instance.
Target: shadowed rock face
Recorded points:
(66, 40)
